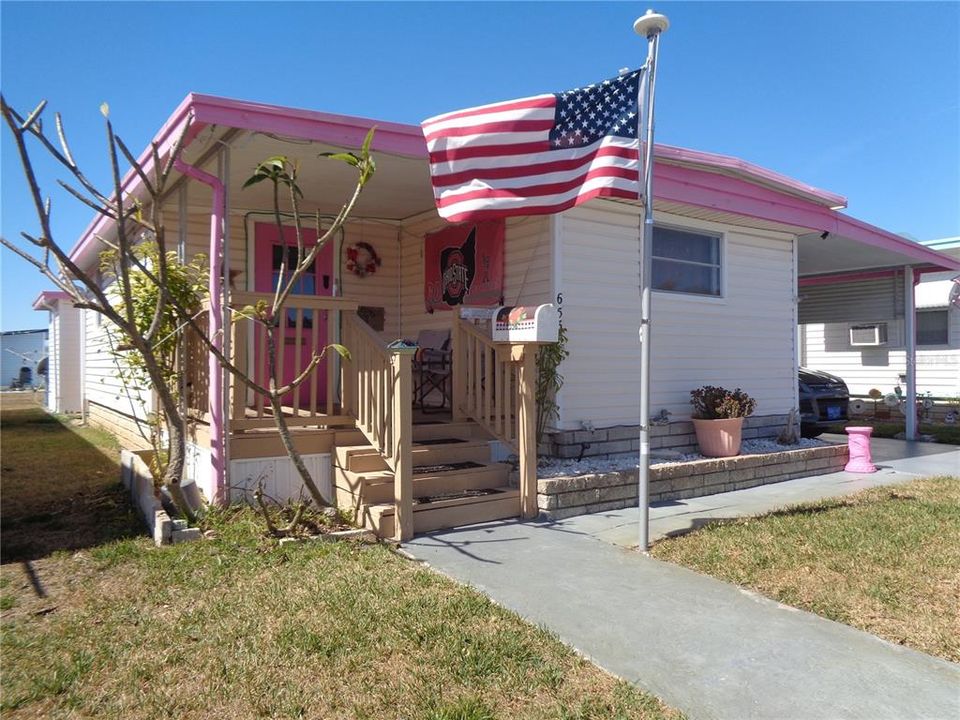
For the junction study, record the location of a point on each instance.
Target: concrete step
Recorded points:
(447, 513)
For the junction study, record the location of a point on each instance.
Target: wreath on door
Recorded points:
(362, 259)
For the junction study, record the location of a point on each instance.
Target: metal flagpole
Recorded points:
(650, 26)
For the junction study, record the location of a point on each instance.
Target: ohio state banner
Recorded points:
(463, 265)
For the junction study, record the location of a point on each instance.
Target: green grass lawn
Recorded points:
(885, 560)
(238, 627)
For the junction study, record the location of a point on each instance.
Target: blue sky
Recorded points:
(858, 98)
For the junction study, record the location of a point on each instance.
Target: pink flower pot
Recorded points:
(719, 438)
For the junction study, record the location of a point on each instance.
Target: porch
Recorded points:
(372, 450)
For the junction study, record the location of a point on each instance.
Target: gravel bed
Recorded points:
(555, 467)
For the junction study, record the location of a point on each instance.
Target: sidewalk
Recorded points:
(706, 647)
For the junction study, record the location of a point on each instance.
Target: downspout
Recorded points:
(215, 325)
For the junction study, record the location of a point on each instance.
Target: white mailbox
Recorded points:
(526, 323)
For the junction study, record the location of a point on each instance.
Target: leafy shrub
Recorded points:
(717, 403)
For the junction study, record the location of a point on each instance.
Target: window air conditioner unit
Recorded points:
(868, 335)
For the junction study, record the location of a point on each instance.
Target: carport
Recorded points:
(857, 274)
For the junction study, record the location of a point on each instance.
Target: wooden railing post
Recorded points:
(458, 382)
(527, 431)
(402, 419)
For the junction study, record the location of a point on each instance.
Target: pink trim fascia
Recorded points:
(341, 130)
(49, 297)
(815, 280)
(766, 195)
(844, 277)
(727, 163)
(701, 188)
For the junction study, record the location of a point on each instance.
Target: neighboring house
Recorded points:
(21, 352)
(64, 393)
(732, 239)
(878, 359)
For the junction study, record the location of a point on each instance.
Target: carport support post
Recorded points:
(910, 332)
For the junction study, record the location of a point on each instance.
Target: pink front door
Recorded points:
(270, 251)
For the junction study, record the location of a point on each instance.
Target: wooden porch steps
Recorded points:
(454, 481)
(447, 513)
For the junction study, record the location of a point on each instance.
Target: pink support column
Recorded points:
(215, 327)
(859, 444)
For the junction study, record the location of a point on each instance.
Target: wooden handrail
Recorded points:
(486, 385)
(494, 384)
(377, 391)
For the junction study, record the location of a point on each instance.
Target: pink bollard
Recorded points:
(859, 444)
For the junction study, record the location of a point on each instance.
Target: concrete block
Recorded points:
(618, 446)
(162, 528)
(182, 536)
(623, 432)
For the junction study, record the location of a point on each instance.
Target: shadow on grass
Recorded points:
(61, 487)
(802, 510)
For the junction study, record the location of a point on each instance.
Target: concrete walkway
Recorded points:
(706, 647)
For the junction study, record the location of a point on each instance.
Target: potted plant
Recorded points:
(718, 416)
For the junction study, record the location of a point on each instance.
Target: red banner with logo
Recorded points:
(463, 265)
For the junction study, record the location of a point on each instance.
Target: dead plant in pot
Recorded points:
(718, 416)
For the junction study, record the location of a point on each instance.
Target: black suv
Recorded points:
(823, 401)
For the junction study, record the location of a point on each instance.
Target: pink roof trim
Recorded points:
(728, 164)
(685, 176)
(49, 297)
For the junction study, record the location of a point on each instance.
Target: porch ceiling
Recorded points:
(399, 189)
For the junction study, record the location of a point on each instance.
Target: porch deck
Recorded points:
(400, 469)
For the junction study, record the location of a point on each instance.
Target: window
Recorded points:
(932, 327)
(686, 262)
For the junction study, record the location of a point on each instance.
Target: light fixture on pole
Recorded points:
(650, 26)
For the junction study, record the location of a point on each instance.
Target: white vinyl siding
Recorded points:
(110, 403)
(827, 347)
(745, 339)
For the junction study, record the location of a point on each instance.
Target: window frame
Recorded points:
(721, 266)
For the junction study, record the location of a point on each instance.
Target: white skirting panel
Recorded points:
(281, 481)
(197, 469)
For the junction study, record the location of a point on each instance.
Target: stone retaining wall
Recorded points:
(563, 497)
(622, 439)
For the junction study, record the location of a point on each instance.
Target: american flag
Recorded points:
(537, 155)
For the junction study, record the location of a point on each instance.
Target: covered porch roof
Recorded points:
(831, 243)
(48, 299)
